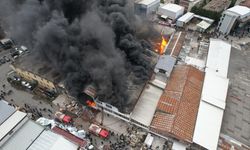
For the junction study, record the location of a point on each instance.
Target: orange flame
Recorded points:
(163, 45)
(90, 103)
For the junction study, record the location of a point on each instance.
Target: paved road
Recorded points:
(21, 97)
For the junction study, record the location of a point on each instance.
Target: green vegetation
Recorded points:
(207, 13)
(162, 1)
(232, 3)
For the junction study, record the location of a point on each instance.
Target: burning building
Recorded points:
(85, 42)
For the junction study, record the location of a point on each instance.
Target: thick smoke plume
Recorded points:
(86, 41)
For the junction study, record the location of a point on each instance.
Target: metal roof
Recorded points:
(186, 17)
(215, 90)
(218, 57)
(145, 108)
(243, 11)
(204, 25)
(5, 110)
(24, 136)
(166, 63)
(213, 102)
(178, 106)
(10, 123)
(208, 125)
(148, 2)
(69, 136)
(172, 7)
(52, 141)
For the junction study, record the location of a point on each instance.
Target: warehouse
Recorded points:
(17, 125)
(146, 7)
(171, 11)
(183, 20)
(214, 94)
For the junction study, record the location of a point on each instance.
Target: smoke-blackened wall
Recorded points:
(86, 41)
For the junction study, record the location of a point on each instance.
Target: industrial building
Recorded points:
(183, 20)
(17, 131)
(233, 17)
(45, 76)
(214, 94)
(146, 7)
(175, 44)
(165, 65)
(177, 108)
(171, 11)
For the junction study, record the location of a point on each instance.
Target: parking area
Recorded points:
(21, 98)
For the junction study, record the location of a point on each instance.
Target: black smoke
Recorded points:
(86, 41)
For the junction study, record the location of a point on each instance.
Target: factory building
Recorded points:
(146, 7)
(17, 131)
(233, 17)
(171, 11)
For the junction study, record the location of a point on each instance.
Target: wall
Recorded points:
(42, 82)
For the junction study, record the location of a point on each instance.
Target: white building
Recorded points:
(146, 7)
(218, 57)
(172, 11)
(213, 96)
(184, 19)
(231, 17)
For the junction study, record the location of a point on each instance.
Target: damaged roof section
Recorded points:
(178, 106)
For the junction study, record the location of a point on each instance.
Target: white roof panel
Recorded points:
(11, 122)
(5, 110)
(186, 17)
(208, 125)
(24, 136)
(148, 2)
(172, 7)
(52, 141)
(218, 57)
(203, 24)
(215, 90)
(243, 11)
(145, 108)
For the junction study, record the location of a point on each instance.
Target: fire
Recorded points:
(163, 45)
(90, 103)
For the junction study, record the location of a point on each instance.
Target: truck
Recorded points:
(98, 131)
(62, 117)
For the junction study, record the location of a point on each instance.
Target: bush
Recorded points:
(207, 13)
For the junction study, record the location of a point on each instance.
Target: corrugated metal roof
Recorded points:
(186, 17)
(52, 141)
(166, 63)
(6, 111)
(243, 11)
(10, 123)
(172, 7)
(69, 136)
(23, 137)
(178, 106)
(218, 57)
(147, 104)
